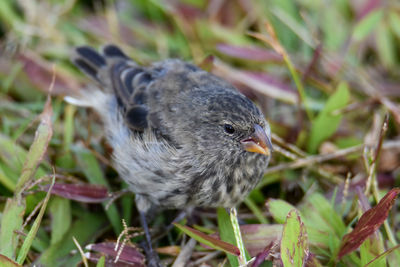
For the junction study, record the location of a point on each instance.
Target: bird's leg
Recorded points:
(181, 215)
(152, 258)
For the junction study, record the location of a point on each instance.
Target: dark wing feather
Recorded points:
(112, 68)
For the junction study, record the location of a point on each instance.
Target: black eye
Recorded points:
(229, 128)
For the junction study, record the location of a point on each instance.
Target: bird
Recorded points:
(181, 136)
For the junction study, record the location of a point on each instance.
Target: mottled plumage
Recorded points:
(181, 136)
(167, 126)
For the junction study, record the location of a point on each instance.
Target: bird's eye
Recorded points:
(229, 128)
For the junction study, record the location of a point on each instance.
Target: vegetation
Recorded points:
(326, 74)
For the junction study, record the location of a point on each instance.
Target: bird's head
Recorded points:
(227, 122)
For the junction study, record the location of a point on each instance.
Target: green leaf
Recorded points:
(208, 240)
(294, 243)
(367, 24)
(11, 221)
(9, 15)
(256, 211)
(386, 45)
(333, 19)
(326, 123)
(226, 233)
(324, 209)
(60, 210)
(85, 229)
(7, 181)
(371, 248)
(32, 232)
(101, 262)
(394, 21)
(257, 237)
(93, 172)
(7, 262)
(38, 148)
(279, 209)
(324, 225)
(393, 261)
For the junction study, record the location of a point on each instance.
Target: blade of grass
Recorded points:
(7, 262)
(6, 181)
(32, 232)
(208, 240)
(60, 210)
(382, 256)
(273, 41)
(256, 211)
(279, 209)
(15, 208)
(243, 259)
(101, 262)
(93, 172)
(11, 221)
(38, 148)
(85, 228)
(226, 233)
(13, 156)
(326, 123)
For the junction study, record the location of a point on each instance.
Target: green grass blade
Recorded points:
(209, 240)
(7, 262)
(60, 210)
(38, 148)
(226, 233)
(32, 232)
(11, 221)
(101, 262)
(326, 123)
(85, 229)
(279, 209)
(256, 211)
(94, 174)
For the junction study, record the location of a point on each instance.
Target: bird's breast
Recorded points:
(227, 185)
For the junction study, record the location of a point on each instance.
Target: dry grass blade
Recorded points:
(185, 254)
(39, 147)
(236, 76)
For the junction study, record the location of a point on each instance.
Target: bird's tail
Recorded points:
(97, 66)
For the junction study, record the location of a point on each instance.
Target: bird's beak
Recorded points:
(258, 142)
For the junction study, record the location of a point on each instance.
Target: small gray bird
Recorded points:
(181, 136)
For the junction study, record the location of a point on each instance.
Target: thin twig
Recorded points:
(114, 196)
(302, 162)
(81, 252)
(294, 149)
(35, 210)
(311, 160)
(185, 254)
(207, 257)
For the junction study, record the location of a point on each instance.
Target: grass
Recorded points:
(325, 74)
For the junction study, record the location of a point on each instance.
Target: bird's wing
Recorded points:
(128, 81)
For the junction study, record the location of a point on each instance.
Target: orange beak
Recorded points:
(258, 142)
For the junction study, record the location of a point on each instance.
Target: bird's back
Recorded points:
(155, 121)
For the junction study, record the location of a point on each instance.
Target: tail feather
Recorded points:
(91, 56)
(106, 68)
(113, 51)
(97, 65)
